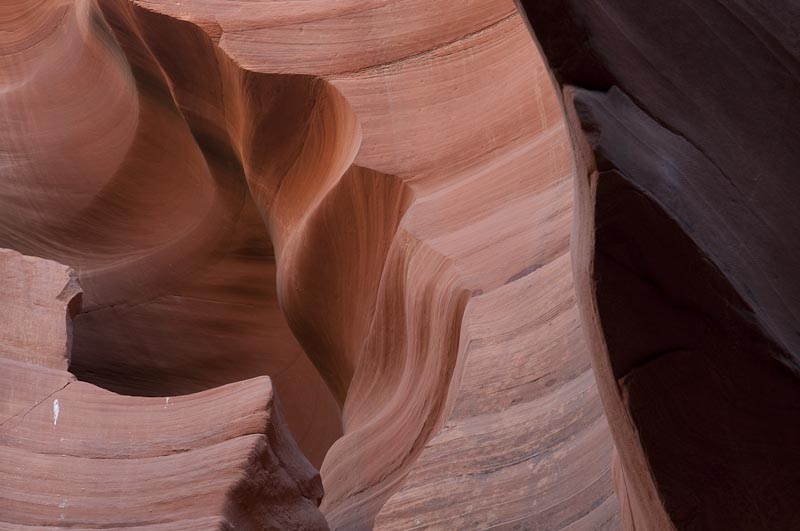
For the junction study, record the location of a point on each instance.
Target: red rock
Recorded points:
(74, 455)
(429, 236)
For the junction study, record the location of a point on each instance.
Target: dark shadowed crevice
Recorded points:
(715, 411)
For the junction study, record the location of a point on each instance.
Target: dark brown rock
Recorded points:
(683, 117)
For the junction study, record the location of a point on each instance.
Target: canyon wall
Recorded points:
(370, 202)
(686, 247)
(75, 455)
(505, 266)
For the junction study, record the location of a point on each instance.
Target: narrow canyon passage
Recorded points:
(380, 221)
(399, 264)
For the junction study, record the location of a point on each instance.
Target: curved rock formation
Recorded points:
(371, 187)
(686, 253)
(74, 455)
(376, 180)
(177, 269)
(380, 205)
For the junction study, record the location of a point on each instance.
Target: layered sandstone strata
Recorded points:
(76, 456)
(372, 203)
(368, 201)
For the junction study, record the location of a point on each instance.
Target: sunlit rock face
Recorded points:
(422, 235)
(683, 116)
(369, 202)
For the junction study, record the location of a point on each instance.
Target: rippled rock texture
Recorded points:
(370, 202)
(73, 455)
(684, 117)
(380, 205)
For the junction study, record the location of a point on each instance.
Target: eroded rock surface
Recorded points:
(75, 455)
(380, 205)
(687, 254)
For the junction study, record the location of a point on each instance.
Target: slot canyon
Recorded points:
(399, 264)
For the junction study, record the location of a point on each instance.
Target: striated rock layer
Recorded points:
(683, 115)
(75, 455)
(371, 202)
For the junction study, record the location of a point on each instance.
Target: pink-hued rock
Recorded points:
(529, 265)
(371, 202)
(74, 455)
